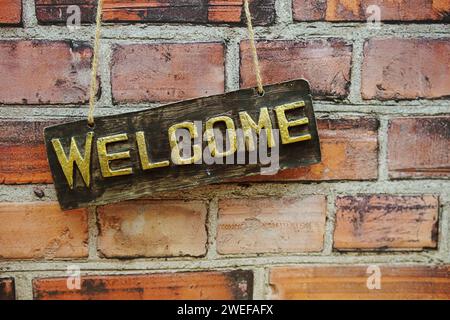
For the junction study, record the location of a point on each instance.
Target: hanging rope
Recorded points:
(251, 34)
(94, 84)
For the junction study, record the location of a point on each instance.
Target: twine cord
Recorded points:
(251, 34)
(94, 84)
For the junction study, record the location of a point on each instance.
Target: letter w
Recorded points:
(83, 163)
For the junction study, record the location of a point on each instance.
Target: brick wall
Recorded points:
(379, 199)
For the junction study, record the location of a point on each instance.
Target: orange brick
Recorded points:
(22, 152)
(44, 72)
(356, 10)
(231, 11)
(419, 147)
(401, 69)
(225, 11)
(166, 286)
(350, 283)
(167, 72)
(40, 230)
(152, 228)
(271, 225)
(386, 222)
(7, 289)
(349, 152)
(11, 12)
(324, 62)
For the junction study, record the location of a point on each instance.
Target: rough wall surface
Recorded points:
(380, 198)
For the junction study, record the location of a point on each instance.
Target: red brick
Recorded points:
(349, 152)
(167, 72)
(402, 69)
(22, 152)
(355, 10)
(7, 290)
(40, 230)
(152, 228)
(55, 11)
(309, 10)
(350, 283)
(371, 222)
(44, 72)
(271, 225)
(11, 12)
(324, 62)
(419, 147)
(211, 285)
(172, 11)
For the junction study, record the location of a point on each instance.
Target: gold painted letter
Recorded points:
(230, 131)
(176, 157)
(263, 123)
(104, 157)
(285, 124)
(143, 155)
(83, 163)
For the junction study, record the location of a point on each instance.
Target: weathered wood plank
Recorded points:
(155, 124)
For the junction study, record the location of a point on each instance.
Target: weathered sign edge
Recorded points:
(253, 91)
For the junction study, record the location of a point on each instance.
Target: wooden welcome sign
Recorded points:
(135, 154)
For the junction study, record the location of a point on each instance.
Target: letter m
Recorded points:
(83, 163)
(248, 125)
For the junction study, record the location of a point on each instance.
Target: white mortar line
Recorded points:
(232, 66)
(258, 284)
(283, 11)
(356, 68)
(212, 229)
(383, 174)
(330, 223)
(92, 233)
(24, 193)
(29, 19)
(148, 265)
(24, 288)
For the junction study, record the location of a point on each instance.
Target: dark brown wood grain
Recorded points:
(158, 11)
(155, 123)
